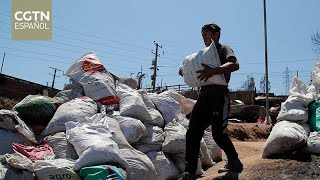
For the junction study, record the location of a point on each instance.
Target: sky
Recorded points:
(122, 34)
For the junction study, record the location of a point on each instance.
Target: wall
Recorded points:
(16, 88)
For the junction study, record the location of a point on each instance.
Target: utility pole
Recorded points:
(155, 66)
(4, 55)
(54, 75)
(266, 60)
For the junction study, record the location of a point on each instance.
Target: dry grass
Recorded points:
(6, 103)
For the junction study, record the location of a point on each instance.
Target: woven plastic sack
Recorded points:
(174, 138)
(132, 129)
(285, 138)
(75, 110)
(103, 172)
(166, 169)
(97, 82)
(132, 105)
(314, 118)
(140, 166)
(152, 142)
(186, 104)
(55, 169)
(7, 137)
(9, 120)
(192, 63)
(61, 147)
(167, 106)
(36, 109)
(94, 145)
(179, 161)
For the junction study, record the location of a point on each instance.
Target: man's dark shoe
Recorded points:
(186, 176)
(232, 166)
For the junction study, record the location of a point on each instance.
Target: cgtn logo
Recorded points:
(32, 19)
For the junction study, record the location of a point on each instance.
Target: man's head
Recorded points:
(210, 32)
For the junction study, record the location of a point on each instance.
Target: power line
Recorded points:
(66, 44)
(45, 60)
(78, 47)
(78, 52)
(94, 36)
(170, 58)
(101, 44)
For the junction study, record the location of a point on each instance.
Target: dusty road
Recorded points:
(293, 167)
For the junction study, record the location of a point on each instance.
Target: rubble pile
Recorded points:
(98, 127)
(298, 122)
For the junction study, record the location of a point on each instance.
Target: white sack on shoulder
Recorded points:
(132, 129)
(94, 145)
(167, 106)
(152, 142)
(76, 110)
(55, 169)
(192, 63)
(186, 104)
(285, 137)
(140, 166)
(166, 169)
(131, 104)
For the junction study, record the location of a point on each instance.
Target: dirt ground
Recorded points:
(249, 141)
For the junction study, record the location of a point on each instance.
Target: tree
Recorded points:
(316, 42)
(263, 85)
(140, 76)
(249, 84)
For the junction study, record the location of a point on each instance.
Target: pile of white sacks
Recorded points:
(144, 134)
(292, 131)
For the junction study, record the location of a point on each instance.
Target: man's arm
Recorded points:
(230, 66)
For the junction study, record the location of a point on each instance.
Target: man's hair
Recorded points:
(212, 27)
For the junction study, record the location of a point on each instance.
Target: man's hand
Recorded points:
(206, 73)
